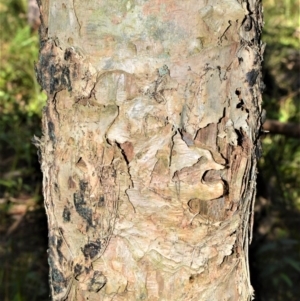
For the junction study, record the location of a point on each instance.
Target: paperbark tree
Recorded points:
(149, 147)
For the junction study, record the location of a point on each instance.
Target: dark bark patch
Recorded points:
(58, 286)
(83, 186)
(56, 276)
(240, 104)
(247, 23)
(252, 76)
(54, 80)
(66, 214)
(258, 150)
(92, 249)
(68, 54)
(65, 78)
(58, 280)
(97, 282)
(53, 73)
(51, 131)
(101, 201)
(78, 269)
(240, 139)
(58, 249)
(238, 92)
(52, 240)
(82, 208)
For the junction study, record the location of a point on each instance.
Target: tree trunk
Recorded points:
(149, 147)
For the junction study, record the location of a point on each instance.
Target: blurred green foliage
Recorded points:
(275, 252)
(21, 100)
(23, 265)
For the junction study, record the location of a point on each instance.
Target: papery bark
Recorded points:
(149, 147)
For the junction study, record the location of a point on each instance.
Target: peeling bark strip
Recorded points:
(149, 146)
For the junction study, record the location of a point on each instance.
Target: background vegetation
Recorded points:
(275, 251)
(23, 229)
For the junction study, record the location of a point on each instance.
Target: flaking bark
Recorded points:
(149, 147)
